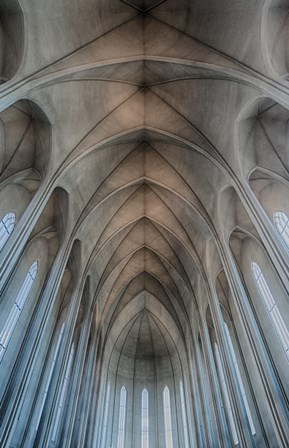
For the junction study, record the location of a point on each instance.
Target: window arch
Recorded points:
(184, 415)
(18, 305)
(105, 416)
(281, 221)
(271, 306)
(226, 396)
(7, 225)
(145, 419)
(239, 378)
(168, 418)
(122, 418)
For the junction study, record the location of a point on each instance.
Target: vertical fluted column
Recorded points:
(241, 419)
(267, 371)
(19, 237)
(199, 424)
(267, 233)
(75, 381)
(34, 340)
(45, 438)
(211, 427)
(88, 391)
(222, 428)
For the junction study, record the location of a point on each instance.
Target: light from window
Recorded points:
(105, 417)
(50, 373)
(122, 415)
(281, 222)
(18, 305)
(271, 306)
(168, 418)
(145, 419)
(62, 397)
(239, 378)
(226, 396)
(7, 225)
(184, 415)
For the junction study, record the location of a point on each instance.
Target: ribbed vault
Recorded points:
(149, 124)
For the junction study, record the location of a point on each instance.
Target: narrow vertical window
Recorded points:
(105, 416)
(271, 306)
(281, 221)
(122, 418)
(184, 415)
(168, 418)
(18, 305)
(145, 419)
(51, 369)
(7, 225)
(226, 396)
(63, 393)
(239, 378)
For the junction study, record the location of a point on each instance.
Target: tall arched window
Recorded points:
(226, 396)
(281, 221)
(122, 418)
(184, 415)
(271, 306)
(63, 393)
(18, 305)
(51, 369)
(105, 415)
(239, 378)
(168, 418)
(145, 419)
(7, 225)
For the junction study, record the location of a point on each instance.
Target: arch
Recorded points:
(26, 140)
(275, 26)
(11, 38)
(261, 137)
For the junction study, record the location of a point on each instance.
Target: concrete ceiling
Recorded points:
(145, 100)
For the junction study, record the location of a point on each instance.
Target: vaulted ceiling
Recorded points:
(146, 100)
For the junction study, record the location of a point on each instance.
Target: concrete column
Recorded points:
(222, 427)
(267, 232)
(41, 324)
(241, 419)
(268, 374)
(85, 403)
(78, 373)
(45, 439)
(19, 237)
